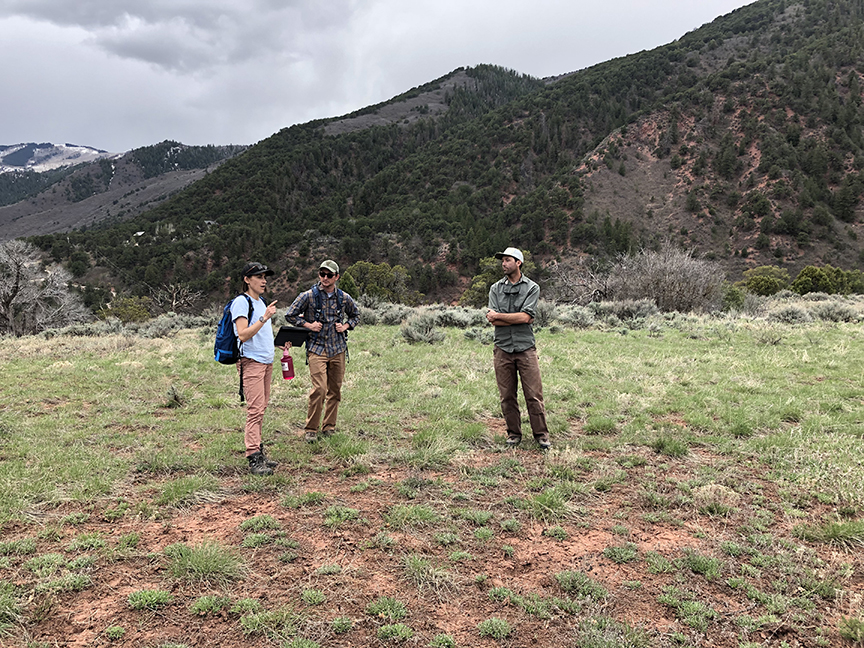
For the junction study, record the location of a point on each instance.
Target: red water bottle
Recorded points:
(287, 365)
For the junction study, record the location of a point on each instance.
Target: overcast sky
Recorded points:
(120, 74)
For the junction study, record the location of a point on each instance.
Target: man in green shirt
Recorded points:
(512, 306)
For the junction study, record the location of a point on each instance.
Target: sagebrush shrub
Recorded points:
(625, 309)
(833, 311)
(421, 328)
(544, 314)
(790, 314)
(393, 314)
(579, 317)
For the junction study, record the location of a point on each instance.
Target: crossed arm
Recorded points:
(507, 319)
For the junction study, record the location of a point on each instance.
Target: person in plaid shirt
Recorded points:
(329, 313)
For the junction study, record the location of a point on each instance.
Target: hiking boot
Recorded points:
(543, 442)
(270, 463)
(257, 465)
(513, 440)
(310, 436)
(328, 432)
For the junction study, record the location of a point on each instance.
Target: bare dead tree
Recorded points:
(578, 281)
(33, 298)
(175, 297)
(673, 278)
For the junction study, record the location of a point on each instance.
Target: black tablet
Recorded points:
(296, 335)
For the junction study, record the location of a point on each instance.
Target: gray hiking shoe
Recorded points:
(310, 436)
(270, 463)
(513, 440)
(257, 465)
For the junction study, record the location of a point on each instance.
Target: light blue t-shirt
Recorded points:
(260, 346)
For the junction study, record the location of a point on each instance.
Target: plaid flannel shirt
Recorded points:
(328, 342)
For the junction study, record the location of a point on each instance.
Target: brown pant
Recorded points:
(509, 368)
(327, 374)
(256, 387)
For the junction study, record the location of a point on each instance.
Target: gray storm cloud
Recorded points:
(190, 35)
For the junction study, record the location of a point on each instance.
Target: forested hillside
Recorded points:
(743, 140)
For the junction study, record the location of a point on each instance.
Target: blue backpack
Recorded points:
(226, 350)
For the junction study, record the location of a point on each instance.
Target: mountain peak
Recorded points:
(46, 156)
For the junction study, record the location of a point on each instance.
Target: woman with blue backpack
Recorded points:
(251, 318)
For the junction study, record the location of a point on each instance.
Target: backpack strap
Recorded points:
(317, 301)
(240, 344)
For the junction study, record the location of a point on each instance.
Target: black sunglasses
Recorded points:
(324, 273)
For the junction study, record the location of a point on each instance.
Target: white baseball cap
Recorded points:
(512, 252)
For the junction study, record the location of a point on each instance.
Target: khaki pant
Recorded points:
(256, 387)
(327, 374)
(509, 368)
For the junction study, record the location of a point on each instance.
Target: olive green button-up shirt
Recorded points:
(521, 297)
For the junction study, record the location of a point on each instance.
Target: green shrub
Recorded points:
(395, 632)
(18, 547)
(557, 532)
(87, 541)
(604, 632)
(442, 641)
(208, 561)
(254, 540)
(209, 605)
(245, 606)
(149, 599)
(115, 632)
(670, 447)
(479, 518)
(341, 625)
(260, 523)
(388, 608)
(334, 516)
(847, 534)
(495, 628)
(300, 642)
(312, 498)
(622, 553)
(400, 516)
(852, 629)
(313, 597)
(577, 583)
(698, 564)
(10, 612)
(511, 525)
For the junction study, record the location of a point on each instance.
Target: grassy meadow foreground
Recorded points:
(705, 488)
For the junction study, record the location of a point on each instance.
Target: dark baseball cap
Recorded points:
(254, 268)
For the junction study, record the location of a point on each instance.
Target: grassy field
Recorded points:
(704, 488)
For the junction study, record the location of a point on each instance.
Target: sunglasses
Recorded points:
(324, 273)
